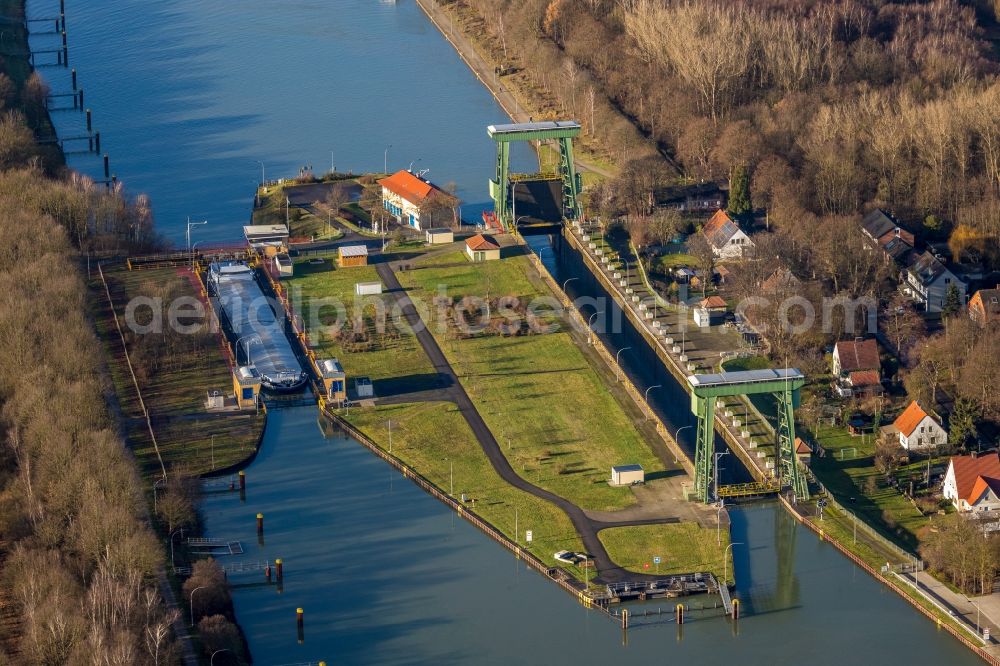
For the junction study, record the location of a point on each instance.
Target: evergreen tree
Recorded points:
(952, 302)
(962, 422)
(740, 205)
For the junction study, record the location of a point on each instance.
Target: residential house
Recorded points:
(885, 233)
(972, 483)
(928, 282)
(481, 248)
(414, 201)
(781, 280)
(984, 306)
(857, 367)
(919, 430)
(728, 241)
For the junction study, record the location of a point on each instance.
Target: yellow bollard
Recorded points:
(736, 609)
(679, 613)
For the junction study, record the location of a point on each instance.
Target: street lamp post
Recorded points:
(211, 661)
(646, 397)
(720, 505)
(181, 530)
(189, 225)
(263, 181)
(590, 327)
(725, 561)
(200, 587)
(677, 434)
(193, 247)
(567, 282)
(385, 159)
(618, 363)
(716, 472)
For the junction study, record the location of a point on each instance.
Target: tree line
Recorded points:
(77, 555)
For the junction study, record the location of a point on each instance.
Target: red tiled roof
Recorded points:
(713, 302)
(858, 355)
(864, 378)
(973, 475)
(720, 228)
(986, 303)
(480, 242)
(911, 417)
(801, 447)
(408, 186)
(782, 278)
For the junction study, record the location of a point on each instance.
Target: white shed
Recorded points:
(627, 475)
(368, 288)
(439, 236)
(363, 387)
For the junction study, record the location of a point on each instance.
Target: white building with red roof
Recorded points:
(411, 199)
(919, 430)
(482, 248)
(973, 483)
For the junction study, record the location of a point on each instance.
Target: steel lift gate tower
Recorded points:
(500, 186)
(783, 384)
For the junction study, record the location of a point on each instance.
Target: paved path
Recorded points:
(962, 609)
(607, 570)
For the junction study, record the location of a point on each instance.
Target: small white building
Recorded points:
(728, 241)
(482, 248)
(363, 388)
(973, 483)
(439, 236)
(627, 475)
(918, 430)
(367, 288)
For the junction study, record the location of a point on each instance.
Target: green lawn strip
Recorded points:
(320, 291)
(430, 437)
(682, 547)
(668, 262)
(565, 429)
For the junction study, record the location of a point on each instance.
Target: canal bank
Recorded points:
(383, 572)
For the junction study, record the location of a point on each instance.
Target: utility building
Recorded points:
(246, 386)
(334, 379)
(414, 201)
(627, 475)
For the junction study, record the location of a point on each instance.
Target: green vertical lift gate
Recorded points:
(562, 131)
(783, 384)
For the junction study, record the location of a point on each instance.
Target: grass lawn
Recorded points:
(433, 436)
(175, 394)
(668, 262)
(558, 423)
(318, 288)
(682, 547)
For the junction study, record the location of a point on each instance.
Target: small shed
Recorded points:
(627, 475)
(334, 379)
(802, 451)
(481, 248)
(711, 311)
(246, 386)
(352, 255)
(439, 236)
(284, 265)
(367, 288)
(363, 387)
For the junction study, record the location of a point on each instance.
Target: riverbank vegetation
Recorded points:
(79, 559)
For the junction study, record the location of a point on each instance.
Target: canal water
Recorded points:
(188, 95)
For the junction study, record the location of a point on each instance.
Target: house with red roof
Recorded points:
(710, 311)
(972, 483)
(857, 367)
(919, 430)
(984, 307)
(728, 241)
(416, 202)
(482, 248)
(802, 451)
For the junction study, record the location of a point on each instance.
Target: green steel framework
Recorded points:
(500, 186)
(784, 385)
